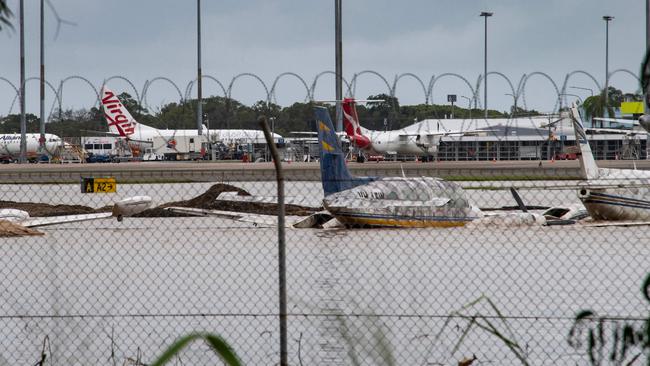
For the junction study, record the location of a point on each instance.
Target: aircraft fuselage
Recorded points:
(402, 202)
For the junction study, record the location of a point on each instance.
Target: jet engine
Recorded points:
(428, 143)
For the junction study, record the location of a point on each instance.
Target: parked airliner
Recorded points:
(412, 140)
(122, 124)
(10, 145)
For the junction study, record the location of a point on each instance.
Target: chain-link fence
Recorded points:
(107, 292)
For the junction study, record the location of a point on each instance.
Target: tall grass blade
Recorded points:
(217, 344)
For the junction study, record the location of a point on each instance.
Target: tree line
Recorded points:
(225, 113)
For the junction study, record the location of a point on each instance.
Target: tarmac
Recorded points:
(157, 172)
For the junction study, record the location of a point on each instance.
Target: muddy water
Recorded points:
(101, 288)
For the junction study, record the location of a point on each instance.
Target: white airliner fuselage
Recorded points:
(417, 139)
(122, 124)
(10, 145)
(404, 142)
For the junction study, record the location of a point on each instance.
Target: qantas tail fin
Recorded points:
(120, 122)
(587, 162)
(351, 123)
(335, 175)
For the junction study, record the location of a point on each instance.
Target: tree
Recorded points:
(11, 123)
(76, 123)
(521, 112)
(633, 97)
(594, 106)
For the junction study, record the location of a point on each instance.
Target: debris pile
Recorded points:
(208, 200)
(44, 209)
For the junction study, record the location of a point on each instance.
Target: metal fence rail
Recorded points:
(118, 293)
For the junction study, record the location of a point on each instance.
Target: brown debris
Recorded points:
(9, 229)
(467, 361)
(206, 200)
(44, 209)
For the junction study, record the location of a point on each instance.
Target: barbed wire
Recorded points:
(269, 95)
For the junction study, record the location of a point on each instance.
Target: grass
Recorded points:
(217, 344)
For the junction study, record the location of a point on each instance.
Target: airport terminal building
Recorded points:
(532, 139)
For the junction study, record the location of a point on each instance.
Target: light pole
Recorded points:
(581, 88)
(338, 55)
(647, 24)
(23, 121)
(199, 111)
(607, 19)
(41, 139)
(485, 15)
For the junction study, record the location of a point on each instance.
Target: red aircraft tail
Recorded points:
(352, 127)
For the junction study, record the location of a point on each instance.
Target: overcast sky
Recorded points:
(144, 39)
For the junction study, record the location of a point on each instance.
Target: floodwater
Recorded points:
(103, 292)
(482, 194)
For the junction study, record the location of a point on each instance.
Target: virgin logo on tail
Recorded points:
(352, 126)
(118, 118)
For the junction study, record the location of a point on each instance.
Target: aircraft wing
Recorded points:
(126, 207)
(53, 220)
(615, 130)
(613, 183)
(234, 197)
(309, 133)
(311, 221)
(110, 134)
(445, 133)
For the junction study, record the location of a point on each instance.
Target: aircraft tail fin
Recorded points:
(587, 162)
(335, 175)
(120, 122)
(351, 124)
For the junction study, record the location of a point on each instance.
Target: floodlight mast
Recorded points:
(199, 107)
(607, 19)
(338, 63)
(23, 121)
(485, 15)
(41, 140)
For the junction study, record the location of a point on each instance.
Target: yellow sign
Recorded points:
(98, 185)
(632, 108)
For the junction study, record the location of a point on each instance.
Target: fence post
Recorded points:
(282, 266)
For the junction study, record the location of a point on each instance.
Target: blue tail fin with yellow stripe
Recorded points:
(334, 173)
